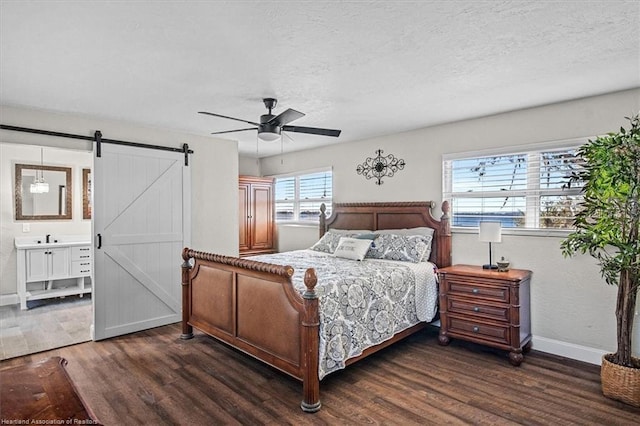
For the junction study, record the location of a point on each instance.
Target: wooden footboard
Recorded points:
(254, 307)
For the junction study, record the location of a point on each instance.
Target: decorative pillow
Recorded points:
(331, 238)
(421, 230)
(409, 248)
(327, 243)
(368, 236)
(352, 248)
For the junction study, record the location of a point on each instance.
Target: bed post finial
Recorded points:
(445, 209)
(444, 219)
(443, 255)
(310, 345)
(187, 330)
(323, 219)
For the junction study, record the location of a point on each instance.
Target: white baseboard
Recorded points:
(9, 299)
(569, 350)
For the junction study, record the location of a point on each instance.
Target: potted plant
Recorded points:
(608, 228)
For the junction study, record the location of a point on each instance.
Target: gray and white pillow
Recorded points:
(352, 248)
(421, 230)
(408, 248)
(331, 238)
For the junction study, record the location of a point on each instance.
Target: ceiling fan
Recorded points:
(271, 126)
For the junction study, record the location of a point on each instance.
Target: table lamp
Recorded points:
(490, 232)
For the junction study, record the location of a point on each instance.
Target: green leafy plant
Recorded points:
(608, 223)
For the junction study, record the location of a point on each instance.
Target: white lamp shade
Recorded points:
(268, 136)
(490, 232)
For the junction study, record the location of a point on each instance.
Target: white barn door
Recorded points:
(141, 222)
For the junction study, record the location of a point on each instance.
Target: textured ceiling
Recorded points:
(369, 68)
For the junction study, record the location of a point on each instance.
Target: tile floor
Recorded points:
(47, 324)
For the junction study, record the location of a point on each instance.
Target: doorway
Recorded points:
(139, 223)
(64, 318)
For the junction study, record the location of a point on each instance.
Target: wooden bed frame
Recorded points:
(232, 299)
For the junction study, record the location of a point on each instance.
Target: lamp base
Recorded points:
(489, 266)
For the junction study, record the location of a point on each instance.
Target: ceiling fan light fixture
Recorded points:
(269, 133)
(271, 126)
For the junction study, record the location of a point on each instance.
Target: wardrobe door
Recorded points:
(261, 217)
(244, 216)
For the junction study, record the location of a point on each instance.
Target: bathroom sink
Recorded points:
(55, 241)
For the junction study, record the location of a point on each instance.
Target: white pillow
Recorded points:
(331, 238)
(352, 248)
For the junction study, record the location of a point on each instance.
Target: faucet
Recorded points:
(48, 236)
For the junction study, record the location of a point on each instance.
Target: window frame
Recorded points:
(297, 201)
(532, 196)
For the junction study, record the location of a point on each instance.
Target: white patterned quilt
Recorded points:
(362, 303)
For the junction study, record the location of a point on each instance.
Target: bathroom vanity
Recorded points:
(42, 266)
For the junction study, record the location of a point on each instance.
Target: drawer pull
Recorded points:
(476, 309)
(85, 271)
(85, 264)
(84, 257)
(475, 291)
(476, 329)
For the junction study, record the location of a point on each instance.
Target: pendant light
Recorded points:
(39, 185)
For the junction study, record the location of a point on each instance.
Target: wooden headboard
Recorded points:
(398, 215)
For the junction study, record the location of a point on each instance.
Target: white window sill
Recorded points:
(556, 233)
(298, 224)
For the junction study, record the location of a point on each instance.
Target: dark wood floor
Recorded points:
(154, 378)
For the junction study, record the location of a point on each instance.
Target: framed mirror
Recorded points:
(43, 192)
(86, 193)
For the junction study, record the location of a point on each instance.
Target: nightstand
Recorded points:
(486, 307)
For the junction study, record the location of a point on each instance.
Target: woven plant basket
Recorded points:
(619, 382)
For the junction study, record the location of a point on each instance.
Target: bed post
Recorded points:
(323, 219)
(310, 345)
(187, 330)
(444, 238)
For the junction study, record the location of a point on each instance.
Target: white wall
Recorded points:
(248, 166)
(572, 308)
(214, 228)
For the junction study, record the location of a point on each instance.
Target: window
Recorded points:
(298, 197)
(521, 190)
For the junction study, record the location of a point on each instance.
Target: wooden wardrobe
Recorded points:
(256, 216)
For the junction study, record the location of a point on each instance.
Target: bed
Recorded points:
(231, 299)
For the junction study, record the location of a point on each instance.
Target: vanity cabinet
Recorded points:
(47, 264)
(42, 267)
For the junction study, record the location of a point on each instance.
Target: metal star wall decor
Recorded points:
(379, 167)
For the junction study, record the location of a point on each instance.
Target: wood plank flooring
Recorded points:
(154, 378)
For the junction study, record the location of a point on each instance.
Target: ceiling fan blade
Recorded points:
(231, 131)
(286, 117)
(230, 118)
(312, 130)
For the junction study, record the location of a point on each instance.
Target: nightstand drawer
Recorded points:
(471, 307)
(467, 288)
(479, 330)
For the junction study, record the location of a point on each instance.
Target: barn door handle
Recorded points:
(99, 240)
